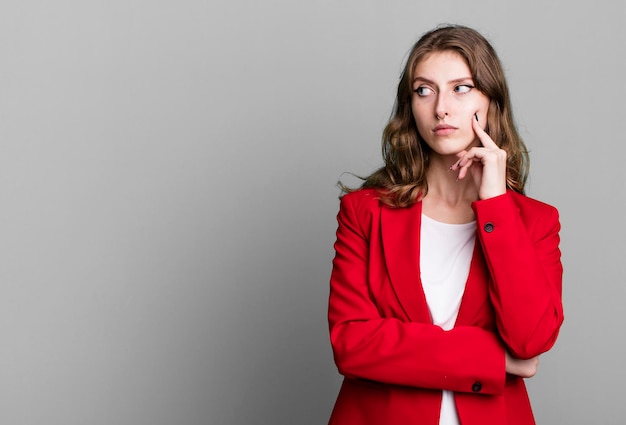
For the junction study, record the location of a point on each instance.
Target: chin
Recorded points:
(450, 150)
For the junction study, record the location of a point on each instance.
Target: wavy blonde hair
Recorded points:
(402, 180)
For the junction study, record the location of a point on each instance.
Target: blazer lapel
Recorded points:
(476, 294)
(400, 230)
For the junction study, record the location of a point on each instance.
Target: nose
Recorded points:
(441, 107)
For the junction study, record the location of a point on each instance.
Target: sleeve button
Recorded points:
(488, 227)
(477, 387)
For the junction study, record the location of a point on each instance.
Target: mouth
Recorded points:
(444, 129)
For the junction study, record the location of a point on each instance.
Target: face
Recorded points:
(444, 103)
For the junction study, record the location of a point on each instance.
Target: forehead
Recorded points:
(442, 65)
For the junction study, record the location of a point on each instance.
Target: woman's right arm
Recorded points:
(391, 349)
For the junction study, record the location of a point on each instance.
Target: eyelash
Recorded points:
(469, 86)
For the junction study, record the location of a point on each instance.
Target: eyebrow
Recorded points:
(456, 80)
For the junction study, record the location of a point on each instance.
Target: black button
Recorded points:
(477, 387)
(488, 227)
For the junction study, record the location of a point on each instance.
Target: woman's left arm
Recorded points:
(521, 248)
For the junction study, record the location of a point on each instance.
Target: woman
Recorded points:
(446, 283)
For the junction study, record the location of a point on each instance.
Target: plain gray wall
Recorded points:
(168, 199)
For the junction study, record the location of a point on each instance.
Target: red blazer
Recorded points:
(395, 362)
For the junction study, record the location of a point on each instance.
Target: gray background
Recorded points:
(168, 199)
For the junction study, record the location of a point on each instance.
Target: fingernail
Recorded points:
(476, 116)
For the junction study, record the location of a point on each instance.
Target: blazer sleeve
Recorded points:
(392, 350)
(524, 260)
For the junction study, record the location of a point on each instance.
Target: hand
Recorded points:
(486, 165)
(522, 368)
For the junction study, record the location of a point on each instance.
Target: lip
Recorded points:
(444, 129)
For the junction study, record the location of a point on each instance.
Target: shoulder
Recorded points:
(360, 208)
(362, 199)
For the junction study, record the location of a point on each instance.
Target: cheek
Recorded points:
(420, 115)
(482, 106)
(422, 126)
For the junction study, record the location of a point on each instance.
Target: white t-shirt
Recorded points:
(445, 256)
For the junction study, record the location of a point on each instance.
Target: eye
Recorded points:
(463, 88)
(423, 91)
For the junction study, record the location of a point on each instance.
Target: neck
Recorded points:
(448, 199)
(443, 182)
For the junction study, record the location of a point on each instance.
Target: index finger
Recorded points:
(485, 139)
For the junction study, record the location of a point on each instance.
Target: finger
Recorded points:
(465, 159)
(457, 164)
(473, 154)
(465, 168)
(469, 157)
(485, 139)
(463, 172)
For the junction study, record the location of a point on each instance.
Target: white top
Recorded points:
(445, 256)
